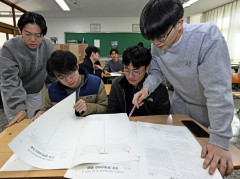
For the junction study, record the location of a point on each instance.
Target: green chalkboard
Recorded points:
(125, 40)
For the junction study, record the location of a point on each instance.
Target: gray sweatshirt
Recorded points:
(22, 70)
(198, 66)
(113, 67)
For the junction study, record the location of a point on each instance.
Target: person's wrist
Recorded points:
(145, 90)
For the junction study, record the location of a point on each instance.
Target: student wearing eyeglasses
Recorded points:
(194, 58)
(136, 62)
(71, 78)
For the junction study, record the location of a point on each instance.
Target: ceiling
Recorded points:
(103, 8)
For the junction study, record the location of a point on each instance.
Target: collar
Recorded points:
(88, 60)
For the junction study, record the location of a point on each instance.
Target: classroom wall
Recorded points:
(195, 19)
(58, 26)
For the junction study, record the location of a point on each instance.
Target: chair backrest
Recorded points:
(235, 77)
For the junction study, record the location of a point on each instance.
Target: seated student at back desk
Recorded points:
(90, 89)
(114, 65)
(136, 61)
(91, 61)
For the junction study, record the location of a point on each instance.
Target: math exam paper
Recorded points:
(170, 152)
(124, 170)
(58, 139)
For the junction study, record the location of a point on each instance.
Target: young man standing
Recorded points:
(136, 61)
(23, 68)
(114, 65)
(91, 61)
(195, 60)
(90, 89)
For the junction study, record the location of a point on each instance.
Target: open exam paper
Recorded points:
(167, 152)
(106, 147)
(59, 139)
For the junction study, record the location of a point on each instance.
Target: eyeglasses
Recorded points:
(71, 75)
(134, 73)
(164, 37)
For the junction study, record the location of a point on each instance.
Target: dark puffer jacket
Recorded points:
(120, 98)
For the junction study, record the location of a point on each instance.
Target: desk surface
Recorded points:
(109, 75)
(235, 64)
(10, 133)
(106, 76)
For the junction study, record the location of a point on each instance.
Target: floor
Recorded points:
(235, 126)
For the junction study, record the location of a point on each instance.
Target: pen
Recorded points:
(130, 114)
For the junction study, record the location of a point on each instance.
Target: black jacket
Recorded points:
(87, 64)
(121, 95)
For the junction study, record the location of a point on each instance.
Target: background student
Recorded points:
(23, 68)
(92, 95)
(91, 61)
(136, 61)
(195, 60)
(113, 65)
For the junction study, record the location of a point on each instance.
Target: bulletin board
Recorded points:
(124, 40)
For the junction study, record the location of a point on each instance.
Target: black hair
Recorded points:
(91, 49)
(138, 55)
(158, 15)
(140, 44)
(113, 50)
(61, 62)
(33, 18)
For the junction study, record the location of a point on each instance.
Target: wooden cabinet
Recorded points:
(77, 49)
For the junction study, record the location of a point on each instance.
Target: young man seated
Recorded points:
(91, 61)
(114, 65)
(92, 95)
(136, 62)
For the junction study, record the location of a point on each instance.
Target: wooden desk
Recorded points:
(107, 77)
(236, 80)
(107, 88)
(10, 133)
(235, 66)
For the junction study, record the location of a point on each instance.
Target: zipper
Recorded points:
(124, 98)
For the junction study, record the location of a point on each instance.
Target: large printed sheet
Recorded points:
(59, 139)
(107, 146)
(170, 152)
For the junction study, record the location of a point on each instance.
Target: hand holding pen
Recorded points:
(139, 97)
(147, 99)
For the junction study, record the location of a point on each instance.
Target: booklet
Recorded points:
(58, 139)
(115, 74)
(106, 146)
(165, 152)
(170, 152)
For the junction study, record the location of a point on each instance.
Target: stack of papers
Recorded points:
(107, 146)
(115, 74)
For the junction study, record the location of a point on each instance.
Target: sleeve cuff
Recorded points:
(219, 141)
(21, 107)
